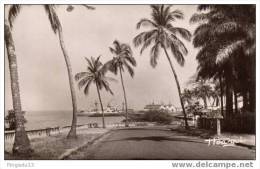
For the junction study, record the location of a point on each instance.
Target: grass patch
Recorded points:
(50, 148)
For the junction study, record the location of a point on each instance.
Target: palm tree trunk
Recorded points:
(72, 133)
(102, 109)
(229, 96)
(205, 102)
(21, 142)
(236, 102)
(126, 113)
(221, 95)
(178, 87)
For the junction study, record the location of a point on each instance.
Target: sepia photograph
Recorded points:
(129, 82)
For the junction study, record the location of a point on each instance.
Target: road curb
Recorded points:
(87, 143)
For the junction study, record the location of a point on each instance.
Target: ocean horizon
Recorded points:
(41, 119)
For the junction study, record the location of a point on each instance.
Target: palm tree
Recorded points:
(57, 29)
(21, 142)
(203, 91)
(226, 35)
(187, 96)
(123, 60)
(95, 74)
(164, 36)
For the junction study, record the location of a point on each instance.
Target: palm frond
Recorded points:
(53, 17)
(87, 86)
(117, 45)
(90, 64)
(97, 63)
(176, 14)
(226, 28)
(184, 33)
(105, 84)
(202, 35)
(14, 10)
(131, 60)
(145, 22)
(177, 54)
(83, 82)
(199, 17)
(142, 37)
(112, 50)
(80, 75)
(204, 7)
(89, 7)
(126, 49)
(154, 55)
(179, 44)
(71, 7)
(129, 68)
(225, 52)
(147, 42)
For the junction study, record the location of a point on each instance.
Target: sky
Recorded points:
(43, 75)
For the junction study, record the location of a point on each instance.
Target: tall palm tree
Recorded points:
(21, 143)
(95, 74)
(164, 36)
(57, 29)
(123, 60)
(226, 35)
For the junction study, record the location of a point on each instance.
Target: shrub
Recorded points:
(194, 108)
(10, 119)
(159, 116)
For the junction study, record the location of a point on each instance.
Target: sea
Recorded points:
(45, 119)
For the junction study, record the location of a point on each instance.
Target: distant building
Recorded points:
(166, 107)
(152, 107)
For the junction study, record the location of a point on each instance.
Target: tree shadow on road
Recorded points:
(157, 138)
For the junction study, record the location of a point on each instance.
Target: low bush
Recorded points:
(161, 117)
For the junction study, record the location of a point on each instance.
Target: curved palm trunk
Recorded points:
(178, 87)
(21, 142)
(126, 113)
(102, 109)
(72, 132)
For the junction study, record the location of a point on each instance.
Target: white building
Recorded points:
(166, 107)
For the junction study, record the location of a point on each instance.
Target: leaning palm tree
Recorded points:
(57, 29)
(95, 74)
(163, 35)
(123, 60)
(21, 142)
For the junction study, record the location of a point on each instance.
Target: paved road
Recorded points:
(158, 143)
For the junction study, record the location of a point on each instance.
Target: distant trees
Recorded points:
(95, 74)
(164, 35)
(123, 60)
(11, 120)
